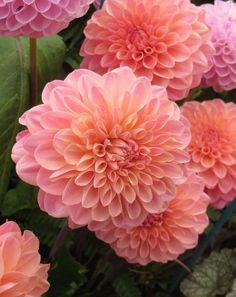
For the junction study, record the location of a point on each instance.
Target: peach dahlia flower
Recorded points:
(21, 274)
(103, 147)
(165, 235)
(213, 147)
(166, 41)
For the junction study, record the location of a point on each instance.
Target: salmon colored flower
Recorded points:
(221, 17)
(166, 41)
(21, 274)
(37, 18)
(165, 235)
(213, 146)
(103, 147)
(219, 199)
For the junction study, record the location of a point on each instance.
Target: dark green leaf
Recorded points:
(22, 197)
(66, 276)
(125, 286)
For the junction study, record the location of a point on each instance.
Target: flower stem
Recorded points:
(33, 72)
(226, 214)
(59, 241)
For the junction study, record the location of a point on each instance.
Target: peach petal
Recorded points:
(21, 272)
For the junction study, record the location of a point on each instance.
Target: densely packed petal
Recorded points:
(166, 41)
(103, 147)
(213, 146)
(21, 273)
(165, 235)
(221, 18)
(37, 18)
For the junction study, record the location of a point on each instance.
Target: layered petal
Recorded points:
(166, 41)
(21, 272)
(213, 147)
(220, 17)
(39, 18)
(103, 148)
(163, 236)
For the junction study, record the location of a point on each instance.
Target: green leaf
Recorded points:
(213, 213)
(66, 276)
(213, 277)
(51, 53)
(125, 286)
(22, 197)
(14, 90)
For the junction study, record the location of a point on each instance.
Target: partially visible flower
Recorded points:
(221, 17)
(163, 236)
(97, 3)
(213, 146)
(219, 199)
(103, 147)
(37, 18)
(166, 41)
(21, 273)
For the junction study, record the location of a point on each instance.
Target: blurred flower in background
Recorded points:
(221, 17)
(37, 18)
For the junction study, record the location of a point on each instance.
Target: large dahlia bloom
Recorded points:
(165, 235)
(221, 17)
(21, 274)
(213, 147)
(166, 41)
(103, 147)
(37, 18)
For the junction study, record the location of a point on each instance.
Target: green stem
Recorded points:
(33, 72)
(226, 214)
(59, 241)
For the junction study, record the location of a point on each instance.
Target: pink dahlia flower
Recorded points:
(97, 3)
(21, 274)
(103, 147)
(165, 235)
(166, 41)
(213, 146)
(219, 199)
(37, 18)
(221, 17)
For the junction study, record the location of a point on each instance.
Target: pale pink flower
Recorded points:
(21, 274)
(37, 18)
(166, 41)
(213, 146)
(165, 235)
(221, 17)
(97, 3)
(103, 147)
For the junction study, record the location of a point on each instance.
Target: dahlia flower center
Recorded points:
(210, 136)
(138, 38)
(153, 220)
(117, 152)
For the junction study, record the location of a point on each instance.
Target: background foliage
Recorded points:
(82, 265)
